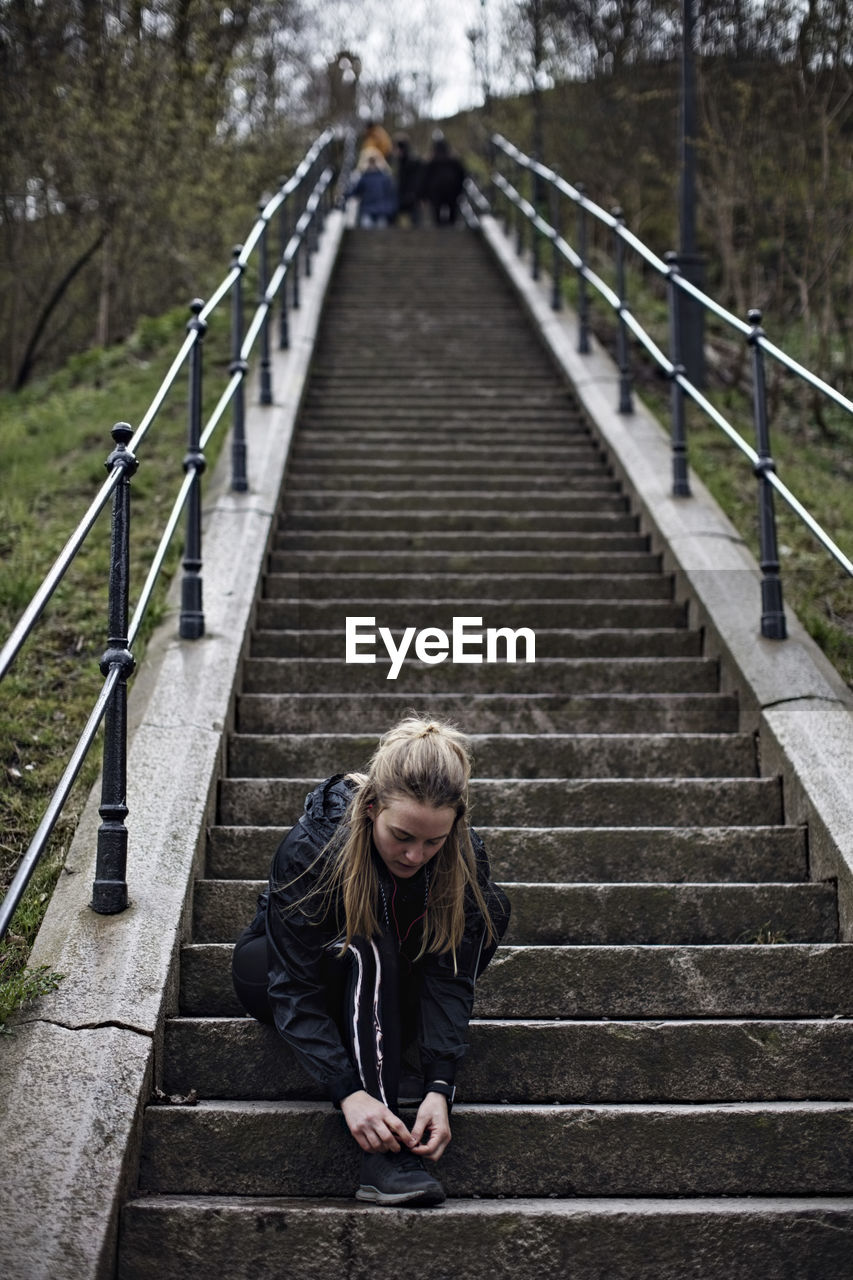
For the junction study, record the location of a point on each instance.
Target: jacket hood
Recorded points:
(326, 805)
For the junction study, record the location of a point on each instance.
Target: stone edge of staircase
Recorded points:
(76, 1073)
(789, 693)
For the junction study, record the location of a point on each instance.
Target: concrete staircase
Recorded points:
(659, 1081)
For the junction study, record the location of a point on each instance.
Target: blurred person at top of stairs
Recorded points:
(442, 181)
(376, 193)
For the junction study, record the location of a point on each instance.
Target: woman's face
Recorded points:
(408, 834)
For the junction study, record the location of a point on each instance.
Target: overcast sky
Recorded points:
(426, 33)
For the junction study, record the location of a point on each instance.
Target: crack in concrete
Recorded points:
(801, 697)
(90, 1026)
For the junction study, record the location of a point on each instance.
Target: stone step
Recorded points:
(421, 377)
(504, 755)
(355, 399)
(437, 501)
(469, 562)
(551, 642)
(388, 524)
(487, 358)
(599, 914)
(626, 802)
(719, 1060)
(360, 469)
(399, 613)
(559, 481)
(388, 450)
(514, 587)
(386, 483)
(524, 385)
(558, 675)
(491, 713)
(479, 338)
(475, 419)
(175, 1238)
(742, 980)
(473, 337)
(446, 390)
(477, 431)
(577, 854)
(320, 540)
(291, 1148)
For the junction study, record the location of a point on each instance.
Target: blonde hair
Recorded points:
(429, 762)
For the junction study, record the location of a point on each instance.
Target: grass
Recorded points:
(54, 440)
(817, 469)
(19, 987)
(811, 443)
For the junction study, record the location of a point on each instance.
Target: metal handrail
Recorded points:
(312, 179)
(773, 619)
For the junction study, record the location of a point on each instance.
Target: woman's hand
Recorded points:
(373, 1126)
(432, 1120)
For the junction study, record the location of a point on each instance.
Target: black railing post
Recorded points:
(534, 234)
(680, 477)
(691, 263)
(239, 480)
(284, 237)
(310, 243)
(625, 402)
(556, 256)
(583, 298)
(294, 267)
(507, 202)
(772, 609)
(519, 215)
(109, 890)
(191, 625)
(263, 281)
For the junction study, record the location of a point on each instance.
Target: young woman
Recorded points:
(379, 917)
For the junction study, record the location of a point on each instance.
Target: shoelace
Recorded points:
(409, 1162)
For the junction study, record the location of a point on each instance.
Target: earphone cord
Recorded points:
(417, 919)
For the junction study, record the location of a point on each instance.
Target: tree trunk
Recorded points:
(26, 366)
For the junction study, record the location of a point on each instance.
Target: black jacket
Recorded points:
(442, 179)
(302, 946)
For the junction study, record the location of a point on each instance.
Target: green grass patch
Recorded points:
(21, 986)
(811, 443)
(54, 441)
(813, 453)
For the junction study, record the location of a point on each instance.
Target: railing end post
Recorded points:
(191, 624)
(773, 624)
(109, 897)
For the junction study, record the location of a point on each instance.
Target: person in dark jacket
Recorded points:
(442, 181)
(376, 193)
(409, 167)
(379, 917)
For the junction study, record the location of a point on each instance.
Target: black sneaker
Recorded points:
(397, 1177)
